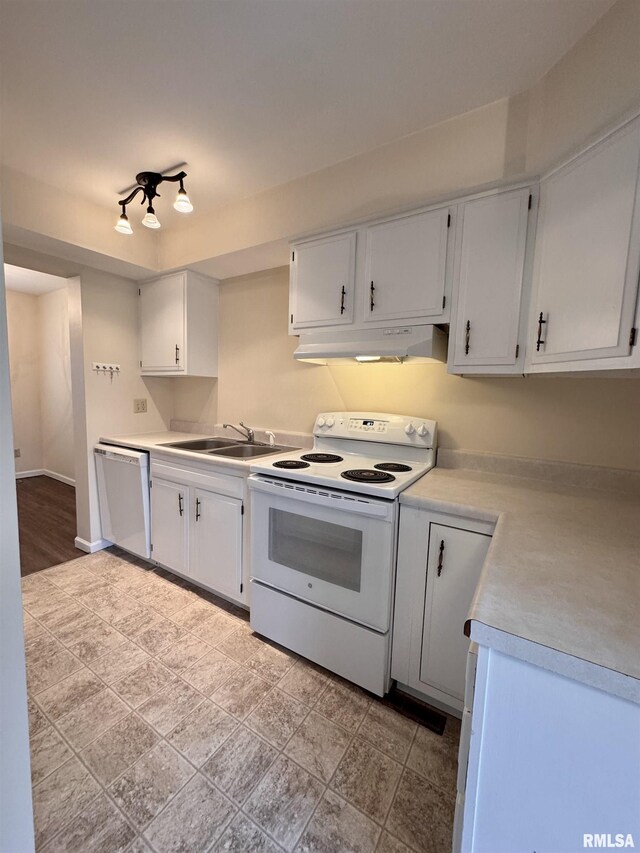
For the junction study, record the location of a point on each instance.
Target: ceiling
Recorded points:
(253, 93)
(30, 281)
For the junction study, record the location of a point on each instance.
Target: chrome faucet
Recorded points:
(248, 432)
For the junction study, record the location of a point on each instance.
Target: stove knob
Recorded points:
(422, 431)
(409, 429)
(330, 422)
(320, 422)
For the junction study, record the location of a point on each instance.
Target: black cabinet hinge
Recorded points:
(293, 256)
(140, 364)
(449, 221)
(633, 337)
(517, 350)
(241, 587)
(292, 318)
(444, 301)
(242, 510)
(151, 548)
(530, 200)
(139, 292)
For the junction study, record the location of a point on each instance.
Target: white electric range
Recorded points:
(324, 540)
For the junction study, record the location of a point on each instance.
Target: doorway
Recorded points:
(38, 328)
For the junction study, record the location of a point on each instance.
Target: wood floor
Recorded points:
(47, 521)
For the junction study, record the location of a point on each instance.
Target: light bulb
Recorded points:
(363, 358)
(150, 219)
(123, 226)
(182, 203)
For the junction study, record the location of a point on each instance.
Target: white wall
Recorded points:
(55, 384)
(24, 361)
(16, 814)
(104, 327)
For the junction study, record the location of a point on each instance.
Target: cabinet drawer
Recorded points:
(223, 484)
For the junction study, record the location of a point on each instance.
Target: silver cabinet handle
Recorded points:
(197, 508)
(177, 354)
(540, 342)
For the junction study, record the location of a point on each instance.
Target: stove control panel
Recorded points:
(389, 429)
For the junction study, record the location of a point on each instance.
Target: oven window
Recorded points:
(319, 549)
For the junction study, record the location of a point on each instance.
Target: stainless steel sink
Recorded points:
(249, 451)
(202, 444)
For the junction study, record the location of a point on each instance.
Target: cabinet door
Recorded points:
(454, 562)
(587, 254)
(323, 281)
(170, 524)
(162, 318)
(488, 278)
(216, 554)
(406, 267)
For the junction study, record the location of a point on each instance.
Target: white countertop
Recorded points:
(560, 585)
(153, 441)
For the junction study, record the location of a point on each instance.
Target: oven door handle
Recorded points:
(318, 496)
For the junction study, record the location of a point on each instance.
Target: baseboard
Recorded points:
(92, 547)
(61, 477)
(43, 472)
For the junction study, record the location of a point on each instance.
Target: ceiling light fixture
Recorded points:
(147, 183)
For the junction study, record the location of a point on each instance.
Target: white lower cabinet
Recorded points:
(440, 558)
(197, 526)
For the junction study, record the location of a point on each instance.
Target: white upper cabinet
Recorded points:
(587, 259)
(406, 267)
(489, 273)
(178, 316)
(323, 282)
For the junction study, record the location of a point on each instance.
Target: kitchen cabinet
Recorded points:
(588, 260)
(440, 558)
(406, 267)
(323, 282)
(178, 323)
(488, 326)
(197, 525)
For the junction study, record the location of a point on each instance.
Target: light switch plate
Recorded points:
(140, 406)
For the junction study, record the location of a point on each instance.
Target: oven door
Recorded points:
(333, 549)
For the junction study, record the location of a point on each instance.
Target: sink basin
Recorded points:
(202, 444)
(249, 451)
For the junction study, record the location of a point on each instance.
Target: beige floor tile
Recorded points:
(166, 599)
(277, 717)
(389, 844)
(338, 826)
(210, 672)
(304, 682)
(388, 730)
(148, 785)
(159, 635)
(117, 749)
(239, 764)
(170, 705)
(143, 683)
(32, 628)
(48, 752)
(76, 628)
(64, 794)
(48, 662)
(41, 602)
(139, 846)
(121, 573)
(367, 778)
(184, 653)
(421, 814)
(194, 614)
(114, 606)
(68, 611)
(243, 836)
(63, 697)
(74, 579)
(216, 628)
(284, 801)
(271, 662)
(241, 693)
(34, 582)
(436, 756)
(137, 620)
(116, 665)
(99, 828)
(87, 722)
(318, 746)
(98, 641)
(342, 706)
(202, 732)
(193, 820)
(242, 644)
(37, 720)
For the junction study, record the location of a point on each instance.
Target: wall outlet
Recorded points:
(16, 453)
(140, 406)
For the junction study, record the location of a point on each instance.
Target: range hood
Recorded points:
(394, 344)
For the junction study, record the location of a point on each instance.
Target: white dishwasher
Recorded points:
(123, 495)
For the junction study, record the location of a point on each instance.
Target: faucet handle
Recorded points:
(272, 437)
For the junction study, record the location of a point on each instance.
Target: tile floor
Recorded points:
(160, 722)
